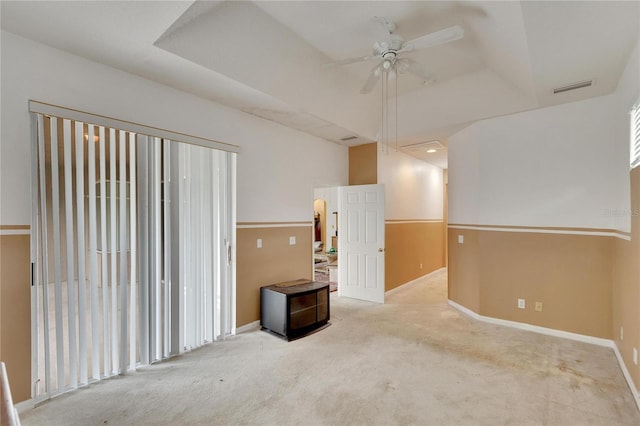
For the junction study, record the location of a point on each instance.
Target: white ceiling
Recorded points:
(266, 58)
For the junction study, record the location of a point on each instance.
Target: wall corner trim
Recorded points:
(627, 376)
(393, 290)
(464, 310)
(557, 333)
(252, 326)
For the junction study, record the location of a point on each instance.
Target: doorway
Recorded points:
(356, 258)
(325, 243)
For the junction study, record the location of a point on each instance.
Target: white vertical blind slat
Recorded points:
(104, 276)
(209, 281)
(225, 243)
(82, 291)
(185, 276)
(93, 254)
(196, 251)
(113, 253)
(635, 136)
(182, 267)
(71, 282)
(215, 243)
(134, 256)
(122, 164)
(57, 272)
(45, 258)
(143, 245)
(166, 182)
(157, 247)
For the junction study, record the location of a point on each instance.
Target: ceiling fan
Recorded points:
(388, 53)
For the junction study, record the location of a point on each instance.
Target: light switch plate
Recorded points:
(460, 239)
(259, 243)
(292, 241)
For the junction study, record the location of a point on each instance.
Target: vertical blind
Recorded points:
(133, 237)
(635, 135)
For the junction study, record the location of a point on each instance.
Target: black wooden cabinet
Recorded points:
(294, 309)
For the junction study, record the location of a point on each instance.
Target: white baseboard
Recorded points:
(535, 328)
(627, 376)
(468, 312)
(557, 333)
(393, 290)
(252, 326)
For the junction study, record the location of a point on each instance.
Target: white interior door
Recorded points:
(361, 242)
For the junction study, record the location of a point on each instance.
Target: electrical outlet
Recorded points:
(460, 239)
(635, 356)
(292, 241)
(538, 306)
(521, 303)
(259, 243)
(621, 333)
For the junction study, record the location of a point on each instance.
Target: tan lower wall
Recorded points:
(363, 164)
(407, 246)
(626, 302)
(569, 274)
(626, 285)
(15, 313)
(276, 261)
(463, 269)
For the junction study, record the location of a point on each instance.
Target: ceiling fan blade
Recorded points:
(374, 76)
(433, 39)
(350, 61)
(415, 68)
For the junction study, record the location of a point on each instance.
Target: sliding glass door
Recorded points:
(132, 242)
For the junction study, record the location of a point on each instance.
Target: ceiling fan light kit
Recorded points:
(390, 53)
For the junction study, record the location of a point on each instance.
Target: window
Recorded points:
(635, 135)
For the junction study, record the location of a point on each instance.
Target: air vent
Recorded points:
(573, 86)
(348, 138)
(424, 146)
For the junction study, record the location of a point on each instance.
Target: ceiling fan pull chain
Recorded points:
(396, 123)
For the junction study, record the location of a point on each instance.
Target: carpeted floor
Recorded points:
(413, 361)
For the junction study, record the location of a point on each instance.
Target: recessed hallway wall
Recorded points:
(414, 226)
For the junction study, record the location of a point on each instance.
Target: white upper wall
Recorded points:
(278, 168)
(562, 166)
(628, 94)
(413, 188)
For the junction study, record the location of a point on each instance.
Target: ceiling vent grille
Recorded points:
(574, 86)
(424, 146)
(348, 138)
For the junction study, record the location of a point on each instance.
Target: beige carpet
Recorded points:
(413, 360)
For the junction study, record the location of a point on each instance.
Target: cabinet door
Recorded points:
(322, 313)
